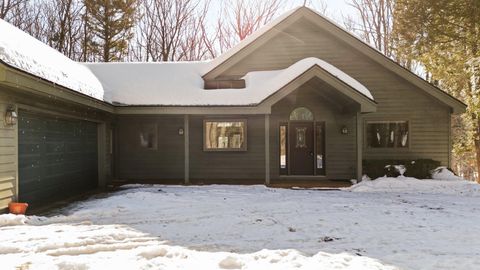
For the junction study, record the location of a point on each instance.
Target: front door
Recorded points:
(301, 145)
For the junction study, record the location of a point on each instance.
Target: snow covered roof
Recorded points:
(181, 83)
(22, 51)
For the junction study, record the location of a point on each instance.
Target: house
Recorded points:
(299, 100)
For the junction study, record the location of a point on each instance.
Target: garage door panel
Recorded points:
(57, 157)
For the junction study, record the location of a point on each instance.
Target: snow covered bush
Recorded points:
(444, 173)
(418, 168)
(393, 171)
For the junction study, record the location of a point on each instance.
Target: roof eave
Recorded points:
(15, 77)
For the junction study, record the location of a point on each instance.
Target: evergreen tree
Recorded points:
(444, 36)
(110, 23)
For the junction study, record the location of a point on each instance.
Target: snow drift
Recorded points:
(412, 185)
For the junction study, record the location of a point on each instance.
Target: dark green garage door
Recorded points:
(57, 157)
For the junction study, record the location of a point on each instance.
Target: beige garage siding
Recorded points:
(8, 157)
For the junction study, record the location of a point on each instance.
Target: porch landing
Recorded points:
(282, 183)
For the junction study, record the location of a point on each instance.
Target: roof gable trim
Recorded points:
(256, 40)
(367, 104)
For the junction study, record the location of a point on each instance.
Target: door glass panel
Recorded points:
(320, 145)
(301, 137)
(283, 147)
(319, 161)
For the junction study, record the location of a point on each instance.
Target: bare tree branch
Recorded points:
(240, 18)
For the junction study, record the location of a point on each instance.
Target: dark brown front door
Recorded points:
(301, 148)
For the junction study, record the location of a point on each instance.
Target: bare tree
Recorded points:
(319, 5)
(173, 30)
(26, 16)
(374, 23)
(240, 18)
(197, 43)
(7, 6)
(64, 25)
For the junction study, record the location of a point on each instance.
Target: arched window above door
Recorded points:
(301, 114)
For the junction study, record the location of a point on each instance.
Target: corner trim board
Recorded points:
(267, 149)
(186, 135)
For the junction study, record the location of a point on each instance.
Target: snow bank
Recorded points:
(251, 227)
(181, 83)
(64, 246)
(22, 51)
(413, 185)
(443, 173)
(11, 220)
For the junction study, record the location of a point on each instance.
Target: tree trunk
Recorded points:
(477, 153)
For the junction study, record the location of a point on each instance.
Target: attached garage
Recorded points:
(57, 157)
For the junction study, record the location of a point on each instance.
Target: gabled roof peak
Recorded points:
(222, 63)
(251, 38)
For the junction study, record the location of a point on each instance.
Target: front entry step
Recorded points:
(291, 183)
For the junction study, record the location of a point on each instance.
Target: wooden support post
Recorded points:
(359, 134)
(102, 154)
(267, 149)
(450, 146)
(186, 137)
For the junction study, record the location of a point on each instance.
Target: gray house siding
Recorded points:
(396, 97)
(247, 165)
(8, 156)
(134, 162)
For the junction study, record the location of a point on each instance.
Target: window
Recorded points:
(387, 134)
(228, 135)
(148, 136)
(283, 148)
(301, 114)
(320, 147)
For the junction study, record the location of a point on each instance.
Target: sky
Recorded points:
(335, 8)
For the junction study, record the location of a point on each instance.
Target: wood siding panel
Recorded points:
(8, 157)
(137, 163)
(217, 165)
(396, 98)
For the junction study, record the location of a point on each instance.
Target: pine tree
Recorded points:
(110, 23)
(444, 36)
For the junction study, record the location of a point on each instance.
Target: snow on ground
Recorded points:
(11, 219)
(444, 186)
(22, 51)
(425, 224)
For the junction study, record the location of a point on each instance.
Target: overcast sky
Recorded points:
(335, 8)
